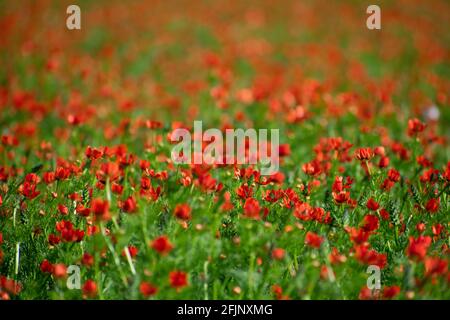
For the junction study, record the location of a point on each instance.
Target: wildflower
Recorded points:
(435, 266)
(93, 153)
(147, 289)
(100, 209)
(364, 154)
(162, 245)
(62, 173)
(284, 150)
(48, 177)
(341, 196)
(367, 294)
(313, 240)
(129, 205)
(384, 214)
(252, 208)
(87, 259)
(335, 257)
(183, 211)
(368, 256)
(53, 239)
(59, 270)
(244, 191)
(420, 227)
(46, 266)
(437, 229)
(358, 236)
(371, 223)
(384, 162)
(372, 204)
(432, 205)
(418, 247)
(393, 175)
(391, 292)
(132, 250)
(116, 188)
(312, 168)
(90, 288)
(178, 279)
(63, 209)
(415, 126)
(278, 253)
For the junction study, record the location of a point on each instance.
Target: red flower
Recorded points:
(424, 162)
(384, 162)
(1, 200)
(372, 204)
(59, 270)
(90, 288)
(421, 227)
(435, 266)
(367, 256)
(371, 223)
(432, 205)
(278, 253)
(147, 289)
(63, 209)
(418, 247)
(129, 205)
(364, 154)
(284, 150)
(46, 266)
(183, 211)
(53, 239)
(437, 229)
(339, 184)
(178, 279)
(313, 240)
(132, 250)
(415, 126)
(28, 190)
(393, 175)
(100, 209)
(341, 197)
(387, 184)
(312, 168)
(93, 153)
(384, 214)
(366, 294)
(9, 285)
(87, 260)
(335, 257)
(252, 208)
(82, 210)
(391, 292)
(62, 173)
(358, 236)
(162, 245)
(48, 177)
(116, 188)
(244, 191)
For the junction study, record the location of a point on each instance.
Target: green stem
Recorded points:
(16, 270)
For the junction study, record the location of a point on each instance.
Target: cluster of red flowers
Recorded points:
(87, 175)
(67, 233)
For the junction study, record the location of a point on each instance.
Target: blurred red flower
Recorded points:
(313, 240)
(147, 289)
(183, 211)
(162, 245)
(178, 279)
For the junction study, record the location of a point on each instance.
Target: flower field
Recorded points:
(92, 206)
